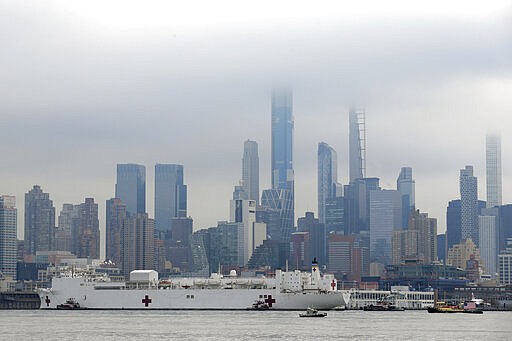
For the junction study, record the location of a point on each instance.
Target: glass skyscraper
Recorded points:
(385, 216)
(406, 186)
(170, 195)
(327, 177)
(281, 197)
(282, 140)
(251, 171)
(131, 187)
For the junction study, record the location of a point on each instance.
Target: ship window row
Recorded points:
(190, 296)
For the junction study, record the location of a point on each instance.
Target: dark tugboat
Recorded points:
(69, 305)
(259, 305)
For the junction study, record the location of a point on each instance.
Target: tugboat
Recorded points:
(69, 305)
(384, 304)
(259, 305)
(443, 307)
(312, 312)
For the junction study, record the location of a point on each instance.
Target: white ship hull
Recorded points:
(193, 299)
(293, 291)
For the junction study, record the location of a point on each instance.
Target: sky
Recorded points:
(89, 84)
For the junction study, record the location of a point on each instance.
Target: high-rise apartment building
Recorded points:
(425, 232)
(385, 216)
(345, 257)
(357, 145)
(131, 187)
(116, 222)
(317, 237)
(67, 230)
(8, 241)
(418, 242)
(78, 230)
(88, 236)
(282, 146)
(488, 235)
(327, 177)
(406, 186)
(493, 170)
(39, 221)
(251, 171)
(469, 205)
(170, 195)
(137, 250)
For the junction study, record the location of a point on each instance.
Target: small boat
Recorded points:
(312, 312)
(382, 306)
(259, 305)
(69, 305)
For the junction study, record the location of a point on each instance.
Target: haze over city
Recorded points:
(85, 87)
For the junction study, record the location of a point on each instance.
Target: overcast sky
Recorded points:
(87, 85)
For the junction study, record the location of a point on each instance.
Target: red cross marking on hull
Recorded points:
(146, 300)
(270, 300)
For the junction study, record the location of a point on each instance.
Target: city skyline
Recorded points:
(70, 118)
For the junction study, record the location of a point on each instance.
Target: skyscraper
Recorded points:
(453, 229)
(137, 250)
(280, 198)
(116, 222)
(131, 187)
(385, 216)
(406, 186)
(170, 195)
(426, 229)
(282, 140)
(469, 204)
(252, 233)
(357, 145)
(8, 241)
(88, 238)
(67, 230)
(279, 204)
(327, 177)
(493, 170)
(488, 242)
(39, 221)
(251, 171)
(317, 237)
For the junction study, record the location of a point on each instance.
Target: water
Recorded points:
(251, 325)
